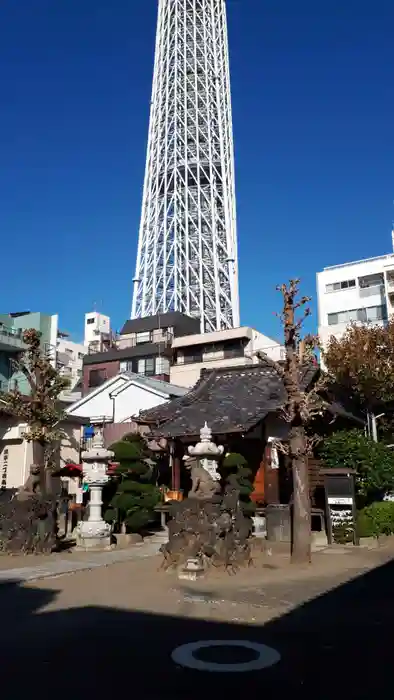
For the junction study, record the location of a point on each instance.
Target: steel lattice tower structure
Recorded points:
(187, 247)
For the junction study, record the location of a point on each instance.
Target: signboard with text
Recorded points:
(340, 505)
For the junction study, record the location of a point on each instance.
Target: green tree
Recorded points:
(39, 409)
(373, 462)
(238, 474)
(132, 505)
(362, 361)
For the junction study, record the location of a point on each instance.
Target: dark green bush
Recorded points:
(376, 520)
(133, 503)
(364, 524)
(237, 473)
(373, 462)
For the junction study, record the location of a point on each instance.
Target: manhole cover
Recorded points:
(225, 656)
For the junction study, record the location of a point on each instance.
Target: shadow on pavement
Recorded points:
(339, 644)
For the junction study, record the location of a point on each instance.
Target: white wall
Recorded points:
(115, 403)
(70, 444)
(98, 403)
(101, 324)
(259, 342)
(133, 399)
(16, 454)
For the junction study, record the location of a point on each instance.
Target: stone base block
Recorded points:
(93, 535)
(86, 544)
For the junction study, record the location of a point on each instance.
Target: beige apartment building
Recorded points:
(228, 348)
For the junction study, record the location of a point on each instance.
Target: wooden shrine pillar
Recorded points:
(271, 481)
(175, 464)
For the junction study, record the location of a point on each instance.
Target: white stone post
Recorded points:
(95, 533)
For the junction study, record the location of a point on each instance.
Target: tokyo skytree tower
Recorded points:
(187, 247)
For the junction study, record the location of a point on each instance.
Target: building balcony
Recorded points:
(159, 338)
(11, 339)
(390, 283)
(374, 290)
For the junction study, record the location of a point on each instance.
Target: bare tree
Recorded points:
(303, 403)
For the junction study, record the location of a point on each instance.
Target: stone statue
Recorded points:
(204, 487)
(32, 485)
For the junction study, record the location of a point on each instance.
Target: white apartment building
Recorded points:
(69, 355)
(233, 347)
(361, 291)
(97, 331)
(69, 358)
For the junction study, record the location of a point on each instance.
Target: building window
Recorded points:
(377, 313)
(188, 356)
(144, 337)
(81, 355)
(89, 321)
(97, 377)
(213, 352)
(370, 314)
(337, 286)
(146, 366)
(375, 280)
(234, 349)
(162, 365)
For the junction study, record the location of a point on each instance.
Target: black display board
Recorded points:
(340, 504)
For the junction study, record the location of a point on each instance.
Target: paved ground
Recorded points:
(113, 630)
(32, 568)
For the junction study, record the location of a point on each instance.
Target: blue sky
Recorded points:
(313, 105)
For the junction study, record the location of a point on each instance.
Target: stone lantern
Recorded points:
(95, 533)
(207, 452)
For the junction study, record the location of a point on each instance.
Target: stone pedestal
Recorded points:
(95, 533)
(192, 570)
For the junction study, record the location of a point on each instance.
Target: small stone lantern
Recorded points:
(207, 452)
(95, 533)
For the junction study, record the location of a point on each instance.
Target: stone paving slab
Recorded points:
(69, 565)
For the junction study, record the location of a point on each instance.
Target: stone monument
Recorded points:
(208, 527)
(95, 533)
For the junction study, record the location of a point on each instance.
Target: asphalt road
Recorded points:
(337, 645)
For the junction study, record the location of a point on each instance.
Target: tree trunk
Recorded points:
(39, 461)
(301, 538)
(295, 407)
